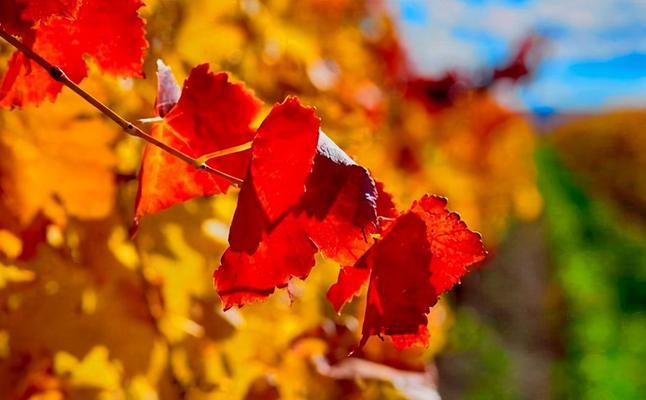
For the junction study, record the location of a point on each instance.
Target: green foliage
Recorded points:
(601, 269)
(478, 349)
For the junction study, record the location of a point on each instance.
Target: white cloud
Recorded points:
(584, 30)
(584, 21)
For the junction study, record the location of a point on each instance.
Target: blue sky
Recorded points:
(595, 57)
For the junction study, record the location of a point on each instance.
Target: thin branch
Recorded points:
(59, 75)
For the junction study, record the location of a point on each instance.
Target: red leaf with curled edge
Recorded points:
(212, 114)
(424, 253)
(112, 33)
(339, 205)
(332, 208)
(283, 152)
(268, 243)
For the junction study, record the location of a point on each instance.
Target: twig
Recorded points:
(59, 75)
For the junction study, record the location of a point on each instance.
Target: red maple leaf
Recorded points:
(212, 114)
(112, 33)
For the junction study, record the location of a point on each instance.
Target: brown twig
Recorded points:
(59, 75)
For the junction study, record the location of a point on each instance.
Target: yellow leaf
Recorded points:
(56, 159)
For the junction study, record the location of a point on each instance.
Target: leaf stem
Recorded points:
(59, 75)
(225, 152)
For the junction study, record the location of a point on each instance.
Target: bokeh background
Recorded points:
(530, 116)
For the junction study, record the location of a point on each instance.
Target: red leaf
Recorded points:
(399, 294)
(348, 284)
(212, 114)
(423, 254)
(110, 32)
(18, 17)
(37, 10)
(282, 253)
(333, 206)
(25, 82)
(11, 18)
(266, 252)
(283, 152)
(339, 204)
(351, 278)
(453, 246)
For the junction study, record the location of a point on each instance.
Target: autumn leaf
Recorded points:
(424, 253)
(340, 204)
(283, 153)
(294, 168)
(38, 10)
(64, 41)
(275, 235)
(20, 16)
(268, 247)
(212, 114)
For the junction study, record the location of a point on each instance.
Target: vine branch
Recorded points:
(59, 75)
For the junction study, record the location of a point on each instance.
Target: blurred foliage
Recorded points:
(477, 353)
(606, 153)
(601, 268)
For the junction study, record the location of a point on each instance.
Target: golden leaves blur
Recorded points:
(96, 314)
(56, 160)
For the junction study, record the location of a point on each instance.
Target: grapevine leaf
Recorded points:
(425, 253)
(19, 16)
(268, 247)
(283, 152)
(64, 41)
(339, 204)
(284, 252)
(328, 205)
(212, 114)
